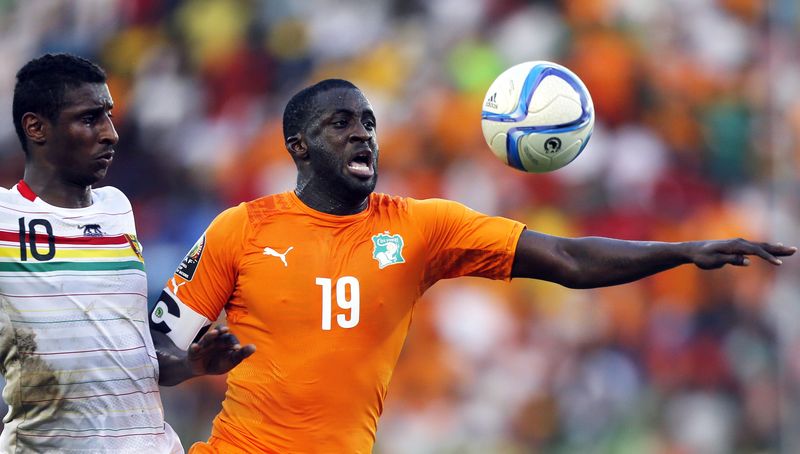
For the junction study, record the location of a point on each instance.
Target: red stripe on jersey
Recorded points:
(26, 190)
(88, 240)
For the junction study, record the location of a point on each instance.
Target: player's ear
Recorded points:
(34, 127)
(296, 145)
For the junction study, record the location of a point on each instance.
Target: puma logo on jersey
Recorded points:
(269, 251)
(176, 286)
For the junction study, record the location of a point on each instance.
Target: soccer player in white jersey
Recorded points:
(80, 368)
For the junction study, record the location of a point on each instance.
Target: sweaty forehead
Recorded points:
(88, 94)
(337, 99)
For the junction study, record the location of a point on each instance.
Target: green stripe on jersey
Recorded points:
(40, 267)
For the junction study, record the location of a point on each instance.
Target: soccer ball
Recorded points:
(537, 116)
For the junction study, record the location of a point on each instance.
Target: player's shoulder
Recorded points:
(241, 220)
(109, 197)
(232, 216)
(267, 207)
(6, 194)
(252, 211)
(12, 196)
(414, 207)
(11, 202)
(432, 204)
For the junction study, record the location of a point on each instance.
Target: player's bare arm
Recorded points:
(598, 262)
(217, 352)
(175, 329)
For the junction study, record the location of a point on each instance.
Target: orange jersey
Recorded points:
(328, 301)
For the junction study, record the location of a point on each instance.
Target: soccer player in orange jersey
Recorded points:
(323, 280)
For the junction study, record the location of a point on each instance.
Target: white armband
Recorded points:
(178, 321)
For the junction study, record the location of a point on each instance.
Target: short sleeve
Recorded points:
(464, 242)
(206, 276)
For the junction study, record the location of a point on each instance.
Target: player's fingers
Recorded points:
(221, 342)
(222, 346)
(226, 341)
(778, 249)
(194, 351)
(741, 246)
(208, 341)
(761, 252)
(241, 353)
(733, 259)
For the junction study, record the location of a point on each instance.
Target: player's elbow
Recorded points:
(550, 259)
(572, 272)
(572, 278)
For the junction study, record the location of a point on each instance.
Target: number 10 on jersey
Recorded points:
(348, 297)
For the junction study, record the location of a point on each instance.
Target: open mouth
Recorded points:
(361, 165)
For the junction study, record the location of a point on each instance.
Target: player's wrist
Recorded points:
(686, 251)
(193, 366)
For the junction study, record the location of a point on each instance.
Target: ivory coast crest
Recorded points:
(387, 249)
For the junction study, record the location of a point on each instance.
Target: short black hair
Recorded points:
(42, 83)
(298, 109)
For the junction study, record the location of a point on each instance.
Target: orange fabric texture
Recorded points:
(328, 301)
(216, 446)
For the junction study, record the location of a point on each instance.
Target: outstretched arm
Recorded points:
(598, 262)
(217, 352)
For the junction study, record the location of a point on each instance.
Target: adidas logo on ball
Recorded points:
(491, 102)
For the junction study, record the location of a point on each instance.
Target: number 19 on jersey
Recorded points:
(348, 297)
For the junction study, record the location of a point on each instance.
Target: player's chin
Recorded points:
(90, 177)
(365, 186)
(98, 175)
(361, 183)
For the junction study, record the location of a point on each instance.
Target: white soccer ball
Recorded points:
(537, 116)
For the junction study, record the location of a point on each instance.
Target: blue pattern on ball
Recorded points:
(532, 81)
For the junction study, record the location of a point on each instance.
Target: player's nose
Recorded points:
(108, 133)
(360, 133)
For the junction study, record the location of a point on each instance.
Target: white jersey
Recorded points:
(80, 367)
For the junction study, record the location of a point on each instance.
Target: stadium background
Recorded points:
(698, 136)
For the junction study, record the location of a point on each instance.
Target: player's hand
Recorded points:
(217, 352)
(710, 255)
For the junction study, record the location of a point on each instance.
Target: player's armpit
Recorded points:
(176, 320)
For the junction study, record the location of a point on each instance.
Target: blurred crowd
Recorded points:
(697, 136)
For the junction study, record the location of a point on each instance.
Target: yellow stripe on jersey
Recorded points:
(64, 253)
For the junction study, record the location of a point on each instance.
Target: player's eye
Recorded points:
(339, 124)
(369, 125)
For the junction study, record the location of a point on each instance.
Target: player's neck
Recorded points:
(56, 191)
(329, 203)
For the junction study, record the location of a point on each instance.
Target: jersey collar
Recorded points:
(26, 190)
